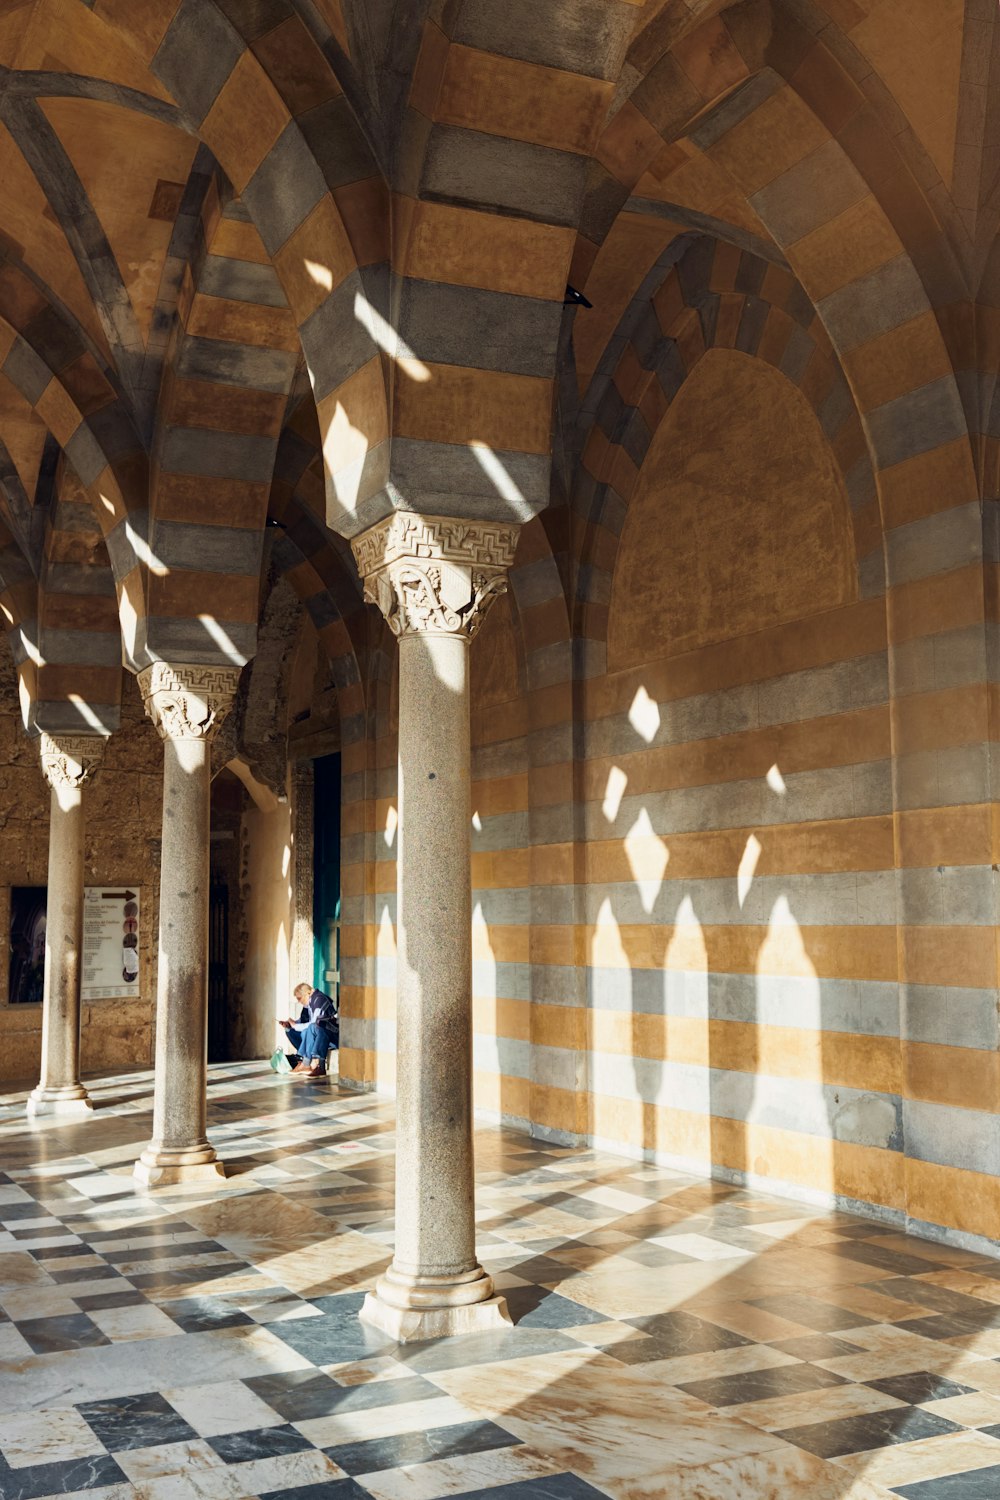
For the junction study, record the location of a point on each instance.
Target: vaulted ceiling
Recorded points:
(308, 258)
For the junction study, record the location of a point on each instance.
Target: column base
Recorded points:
(409, 1307)
(410, 1325)
(163, 1168)
(73, 1100)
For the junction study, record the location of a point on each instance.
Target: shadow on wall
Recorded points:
(739, 905)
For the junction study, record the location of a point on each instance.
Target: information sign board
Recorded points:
(111, 933)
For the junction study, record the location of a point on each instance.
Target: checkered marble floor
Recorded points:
(674, 1339)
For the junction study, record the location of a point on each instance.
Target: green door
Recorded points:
(326, 875)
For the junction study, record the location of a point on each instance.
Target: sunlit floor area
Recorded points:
(673, 1339)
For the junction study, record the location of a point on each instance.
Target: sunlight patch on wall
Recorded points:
(322, 275)
(223, 640)
(129, 617)
(686, 967)
(648, 857)
(344, 449)
(385, 942)
(389, 340)
(776, 781)
(484, 993)
(483, 951)
(144, 552)
(615, 790)
(495, 471)
(747, 868)
(644, 716)
(686, 950)
(86, 713)
(606, 948)
(782, 954)
(391, 824)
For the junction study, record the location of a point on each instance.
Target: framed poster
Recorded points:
(27, 944)
(110, 943)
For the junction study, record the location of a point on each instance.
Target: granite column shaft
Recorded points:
(67, 762)
(187, 704)
(434, 579)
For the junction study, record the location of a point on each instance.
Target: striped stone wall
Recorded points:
(714, 922)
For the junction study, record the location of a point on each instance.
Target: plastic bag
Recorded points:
(280, 1062)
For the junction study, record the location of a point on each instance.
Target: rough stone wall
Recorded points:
(123, 808)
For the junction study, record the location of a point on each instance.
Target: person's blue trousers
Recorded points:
(309, 1041)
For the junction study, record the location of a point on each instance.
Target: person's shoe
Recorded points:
(302, 1067)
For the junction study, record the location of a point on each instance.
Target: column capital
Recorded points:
(434, 574)
(69, 760)
(188, 701)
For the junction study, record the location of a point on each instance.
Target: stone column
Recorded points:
(187, 704)
(434, 578)
(67, 763)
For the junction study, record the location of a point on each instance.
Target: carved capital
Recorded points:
(69, 760)
(434, 573)
(188, 702)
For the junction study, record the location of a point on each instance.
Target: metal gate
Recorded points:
(218, 972)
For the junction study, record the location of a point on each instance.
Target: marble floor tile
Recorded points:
(782, 1412)
(13, 1346)
(976, 1410)
(715, 1364)
(71, 1331)
(289, 1471)
(565, 1486)
(576, 1413)
(700, 1247)
(253, 1443)
(979, 1484)
(225, 1406)
(367, 1371)
(135, 1321)
(761, 1385)
(816, 1346)
(131, 1368)
(370, 1455)
(673, 1338)
(753, 1323)
(602, 1333)
(441, 1477)
(351, 1426)
(135, 1421)
(141, 1463)
(534, 1307)
(921, 1388)
(930, 1459)
(780, 1474)
(100, 1473)
(844, 1436)
(46, 1437)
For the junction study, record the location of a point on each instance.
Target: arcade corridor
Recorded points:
(500, 523)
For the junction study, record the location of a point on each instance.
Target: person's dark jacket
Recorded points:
(321, 1010)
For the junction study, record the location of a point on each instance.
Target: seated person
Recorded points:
(318, 1030)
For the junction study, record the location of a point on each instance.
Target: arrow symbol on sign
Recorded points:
(118, 895)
